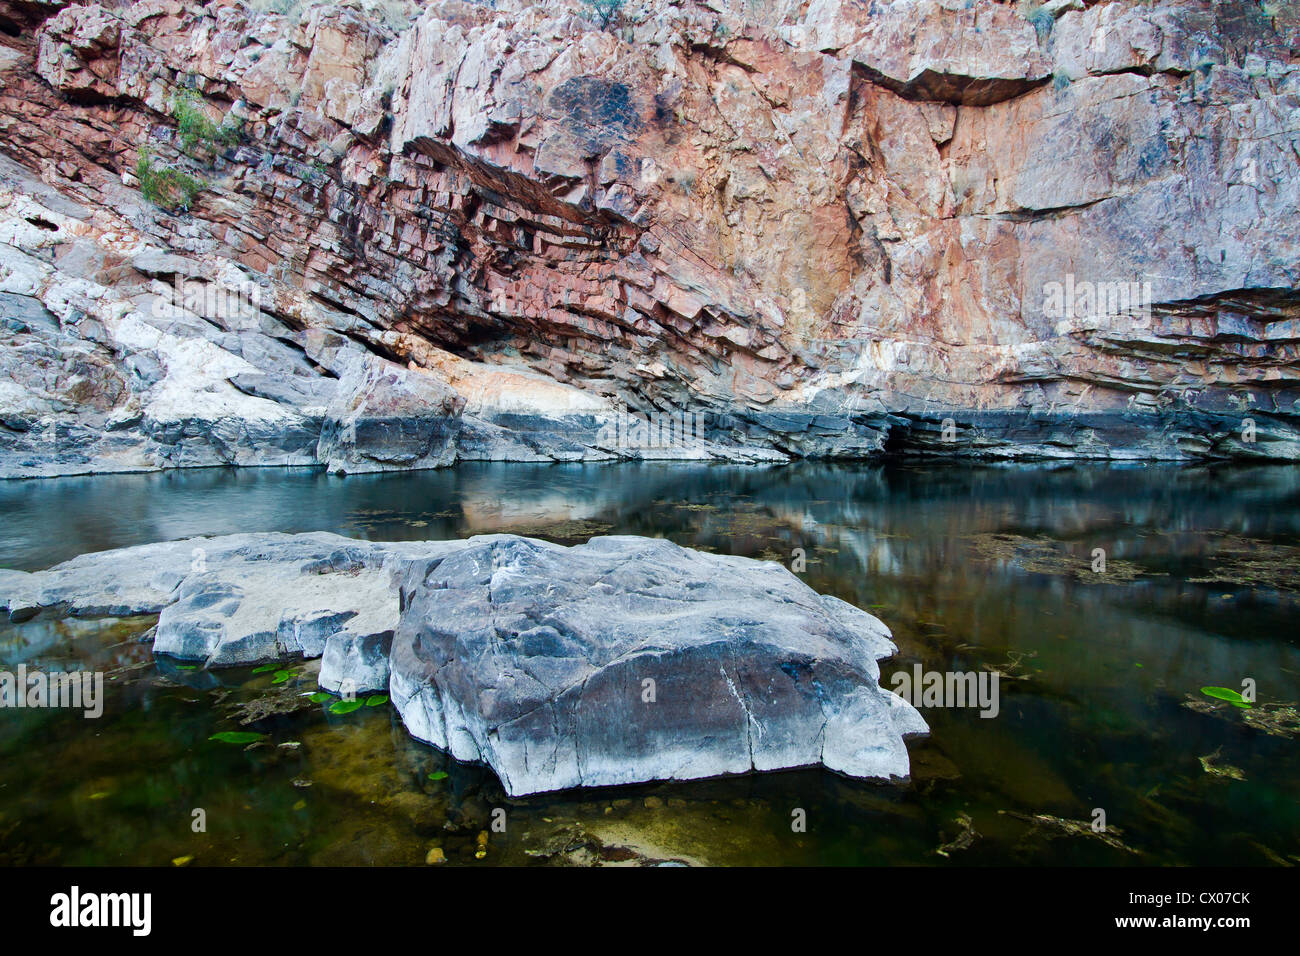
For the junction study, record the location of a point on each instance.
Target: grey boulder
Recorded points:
(617, 661)
(628, 659)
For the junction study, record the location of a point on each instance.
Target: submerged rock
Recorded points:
(617, 661)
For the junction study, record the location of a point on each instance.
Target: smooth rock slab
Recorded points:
(621, 660)
(628, 659)
(308, 595)
(242, 599)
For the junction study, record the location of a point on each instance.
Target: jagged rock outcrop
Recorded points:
(482, 231)
(617, 661)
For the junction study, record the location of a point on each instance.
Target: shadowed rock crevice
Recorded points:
(931, 86)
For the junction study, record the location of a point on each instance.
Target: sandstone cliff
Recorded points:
(390, 235)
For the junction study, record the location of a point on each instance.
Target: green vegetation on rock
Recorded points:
(165, 187)
(193, 128)
(606, 11)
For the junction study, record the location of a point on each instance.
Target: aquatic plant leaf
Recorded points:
(375, 700)
(438, 775)
(344, 706)
(187, 667)
(237, 737)
(266, 668)
(320, 697)
(1228, 694)
(280, 677)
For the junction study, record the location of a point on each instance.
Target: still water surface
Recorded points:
(973, 568)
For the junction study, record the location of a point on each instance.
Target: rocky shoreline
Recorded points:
(617, 661)
(44, 448)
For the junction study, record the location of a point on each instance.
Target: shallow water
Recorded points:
(973, 568)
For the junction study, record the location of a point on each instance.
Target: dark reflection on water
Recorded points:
(974, 568)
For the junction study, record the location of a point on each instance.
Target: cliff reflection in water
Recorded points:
(973, 568)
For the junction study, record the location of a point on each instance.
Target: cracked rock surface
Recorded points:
(627, 659)
(617, 661)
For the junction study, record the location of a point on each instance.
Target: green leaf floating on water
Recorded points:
(375, 700)
(344, 706)
(187, 667)
(280, 677)
(266, 668)
(1228, 694)
(237, 737)
(320, 697)
(438, 775)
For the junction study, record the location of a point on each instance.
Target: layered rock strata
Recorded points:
(460, 231)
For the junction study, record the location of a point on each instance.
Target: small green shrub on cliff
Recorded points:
(1042, 20)
(163, 186)
(606, 11)
(195, 130)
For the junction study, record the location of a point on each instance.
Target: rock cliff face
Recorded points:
(392, 235)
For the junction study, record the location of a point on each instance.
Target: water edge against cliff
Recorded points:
(973, 568)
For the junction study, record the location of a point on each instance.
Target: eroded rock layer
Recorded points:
(420, 232)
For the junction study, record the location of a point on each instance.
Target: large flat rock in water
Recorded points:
(617, 661)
